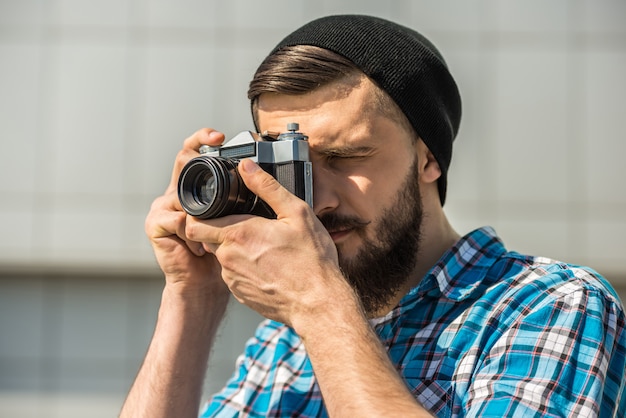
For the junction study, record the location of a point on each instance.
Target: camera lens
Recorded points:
(210, 187)
(205, 188)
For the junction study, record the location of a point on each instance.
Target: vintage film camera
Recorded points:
(209, 186)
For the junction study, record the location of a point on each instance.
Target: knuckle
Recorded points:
(270, 184)
(235, 236)
(300, 207)
(184, 156)
(232, 242)
(148, 225)
(192, 230)
(226, 259)
(150, 221)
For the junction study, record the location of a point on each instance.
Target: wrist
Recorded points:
(337, 311)
(191, 306)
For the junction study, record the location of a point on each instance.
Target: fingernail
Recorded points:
(214, 134)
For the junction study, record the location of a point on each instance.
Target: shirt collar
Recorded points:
(461, 271)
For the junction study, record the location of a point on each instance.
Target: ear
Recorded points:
(428, 170)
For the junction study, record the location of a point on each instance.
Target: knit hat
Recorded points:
(404, 64)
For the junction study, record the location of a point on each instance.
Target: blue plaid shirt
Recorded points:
(487, 333)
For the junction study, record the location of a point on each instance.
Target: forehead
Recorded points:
(326, 114)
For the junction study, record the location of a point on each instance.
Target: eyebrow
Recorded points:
(345, 151)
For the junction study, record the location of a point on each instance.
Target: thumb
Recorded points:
(268, 188)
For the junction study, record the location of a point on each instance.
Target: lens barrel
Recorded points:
(210, 187)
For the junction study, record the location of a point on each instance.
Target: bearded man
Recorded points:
(375, 305)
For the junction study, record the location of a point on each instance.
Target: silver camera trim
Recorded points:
(284, 149)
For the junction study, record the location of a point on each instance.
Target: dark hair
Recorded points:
(300, 69)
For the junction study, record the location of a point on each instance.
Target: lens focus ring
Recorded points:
(210, 187)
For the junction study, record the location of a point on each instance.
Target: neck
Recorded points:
(437, 237)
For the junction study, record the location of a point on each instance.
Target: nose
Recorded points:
(325, 190)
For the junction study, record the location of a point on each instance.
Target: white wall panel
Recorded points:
(97, 97)
(605, 110)
(107, 93)
(530, 145)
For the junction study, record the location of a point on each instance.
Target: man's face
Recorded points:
(365, 187)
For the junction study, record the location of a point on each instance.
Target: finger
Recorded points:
(269, 189)
(206, 136)
(213, 232)
(191, 148)
(164, 223)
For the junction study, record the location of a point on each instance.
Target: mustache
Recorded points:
(335, 222)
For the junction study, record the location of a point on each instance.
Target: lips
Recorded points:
(338, 234)
(339, 227)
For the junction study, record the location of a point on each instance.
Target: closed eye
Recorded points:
(346, 153)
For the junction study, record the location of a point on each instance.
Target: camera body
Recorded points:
(209, 186)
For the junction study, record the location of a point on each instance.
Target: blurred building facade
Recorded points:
(96, 98)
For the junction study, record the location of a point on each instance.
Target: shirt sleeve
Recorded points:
(229, 401)
(565, 357)
(273, 378)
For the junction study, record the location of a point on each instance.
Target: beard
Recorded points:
(382, 266)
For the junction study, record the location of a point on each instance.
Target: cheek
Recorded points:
(369, 196)
(381, 190)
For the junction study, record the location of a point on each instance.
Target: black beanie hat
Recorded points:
(404, 64)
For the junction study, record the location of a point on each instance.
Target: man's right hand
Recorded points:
(186, 264)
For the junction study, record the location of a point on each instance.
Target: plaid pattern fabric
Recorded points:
(487, 333)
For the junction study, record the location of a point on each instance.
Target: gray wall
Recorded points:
(97, 96)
